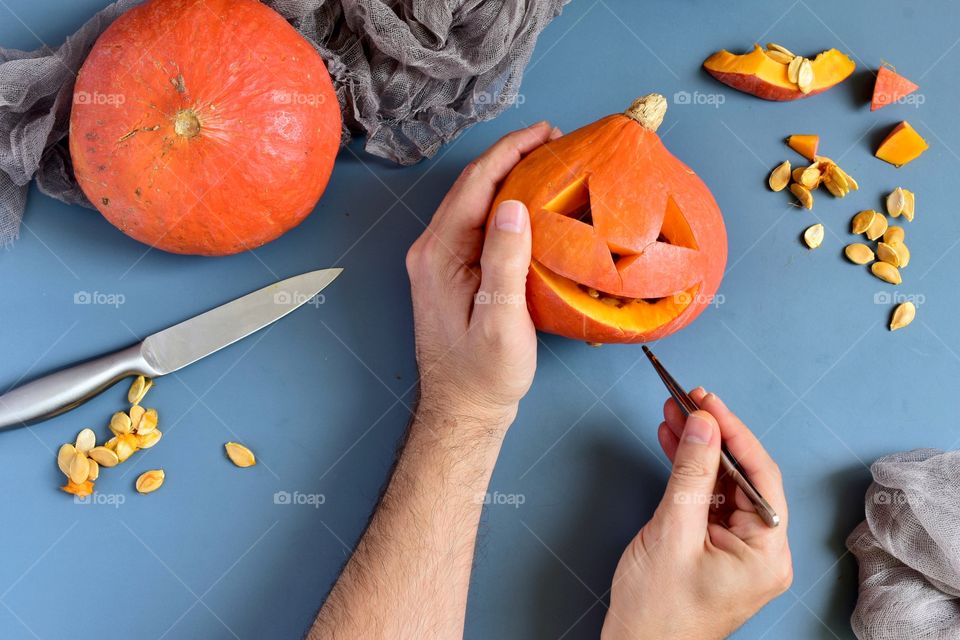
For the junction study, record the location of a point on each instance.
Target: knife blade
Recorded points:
(163, 352)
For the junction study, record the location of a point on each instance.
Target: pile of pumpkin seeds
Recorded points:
(132, 430)
(799, 69)
(890, 253)
(823, 171)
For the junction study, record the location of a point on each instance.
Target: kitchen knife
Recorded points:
(163, 352)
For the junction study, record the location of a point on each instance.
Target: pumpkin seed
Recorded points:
(779, 56)
(895, 202)
(139, 389)
(839, 178)
(86, 440)
(593, 293)
(240, 455)
(903, 315)
(888, 254)
(902, 252)
(805, 76)
(136, 413)
(893, 235)
(849, 183)
(120, 423)
(850, 180)
(878, 226)
(147, 440)
(65, 457)
(835, 189)
(148, 422)
(810, 177)
(793, 69)
(802, 194)
(150, 481)
(94, 471)
(126, 446)
(779, 178)
(813, 236)
(858, 253)
(862, 221)
(886, 272)
(79, 468)
(773, 46)
(104, 457)
(594, 344)
(909, 201)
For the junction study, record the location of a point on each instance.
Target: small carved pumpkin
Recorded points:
(628, 243)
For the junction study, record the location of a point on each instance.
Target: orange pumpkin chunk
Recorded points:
(902, 145)
(805, 145)
(889, 88)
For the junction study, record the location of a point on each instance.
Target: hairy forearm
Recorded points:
(410, 573)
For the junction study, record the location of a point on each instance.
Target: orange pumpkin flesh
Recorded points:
(902, 145)
(805, 145)
(203, 127)
(758, 74)
(628, 243)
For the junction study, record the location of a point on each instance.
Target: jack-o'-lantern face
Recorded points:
(628, 243)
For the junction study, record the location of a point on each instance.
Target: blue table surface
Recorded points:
(799, 347)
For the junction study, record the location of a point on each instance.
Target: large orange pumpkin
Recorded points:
(628, 243)
(203, 126)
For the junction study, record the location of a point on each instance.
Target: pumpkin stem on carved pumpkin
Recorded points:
(648, 110)
(186, 123)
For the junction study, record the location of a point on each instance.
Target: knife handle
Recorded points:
(65, 389)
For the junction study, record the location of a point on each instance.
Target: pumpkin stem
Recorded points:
(186, 123)
(648, 110)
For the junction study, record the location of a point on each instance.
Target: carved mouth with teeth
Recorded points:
(628, 243)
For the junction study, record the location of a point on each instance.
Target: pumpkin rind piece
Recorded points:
(890, 87)
(757, 74)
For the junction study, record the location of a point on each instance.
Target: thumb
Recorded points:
(504, 264)
(690, 490)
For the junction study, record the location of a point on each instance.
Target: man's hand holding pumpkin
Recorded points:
(476, 345)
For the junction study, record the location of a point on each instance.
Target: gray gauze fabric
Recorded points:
(411, 75)
(908, 549)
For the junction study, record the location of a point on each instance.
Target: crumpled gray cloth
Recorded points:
(908, 549)
(410, 74)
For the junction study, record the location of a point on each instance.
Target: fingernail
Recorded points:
(556, 133)
(511, 216)
(540, 124)
(712, 397)
(699, 389)
(697, 430)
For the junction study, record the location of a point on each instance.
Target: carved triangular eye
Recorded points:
(573, 202)
(675, 229)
